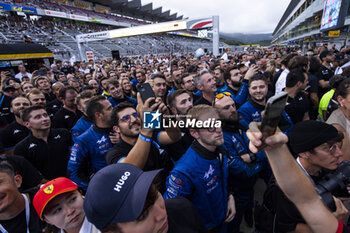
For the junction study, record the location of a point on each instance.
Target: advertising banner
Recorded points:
(9, 7)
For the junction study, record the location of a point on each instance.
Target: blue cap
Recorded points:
(117, 193)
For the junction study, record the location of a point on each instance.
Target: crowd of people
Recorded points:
(77, 155)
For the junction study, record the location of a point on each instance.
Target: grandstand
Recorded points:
(55, 23)
(303, 23)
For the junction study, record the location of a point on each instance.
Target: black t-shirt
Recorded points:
(18, 224)
(50, 97)
(183, 216)
(66, 119)
(53, 107)
(31, 177)
(177, 149)
(13, 134)
(201, 100)
(49, 158)
(325, 74)
(5, 114)
(297, 107)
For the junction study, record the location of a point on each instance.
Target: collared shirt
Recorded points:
(87, 227)
(50, 157)
(66, 119)
(13, 134)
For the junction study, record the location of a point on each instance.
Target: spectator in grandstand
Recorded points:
(297, 106)
(17, 213)
(43, 83)
(237, 84)
(60, 204)
(127, 88)
(151, 213)
(205, 82)
(204, 163)
(180, 102)
(47, 149)
(92, 146)
(68, 115)
(158, 85)
(340, 117)
(22, 72)
(244, 166)
(117, 94)
(84, 123)
(251, 110)
(26, 86)
(327, 72)
(15, 131)
(280, 81)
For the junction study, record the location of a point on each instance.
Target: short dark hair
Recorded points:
(257, 77)
(295, 76)
(157, 75)
(94, 106)
(6, 167)
(83, 95)
(343, 89)
(315, 65)
(227, 74)
(172, 96)
(184, 75)
(26, 112)
(120, 107)
(113, 82)
(298, 62)
(63, 91)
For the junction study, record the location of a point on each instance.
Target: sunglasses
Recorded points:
(128, 117)
(333, 148)
(221, 95)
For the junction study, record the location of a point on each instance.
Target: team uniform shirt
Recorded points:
(251, 111)
(66, 119)
(201, 176)
(6, 117)
(202, 100)
(115, 102)
(53, 107)
(31, 177)
(297, 107)
(240, 96)
(83, 124)
(13, 134)
(18, 224)
(88, 155)
(50, 157)
(50, 97)
(325, 74)
(177, 149)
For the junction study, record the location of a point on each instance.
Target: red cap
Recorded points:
(50, 190)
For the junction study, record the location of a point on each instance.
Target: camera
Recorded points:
(332, 183)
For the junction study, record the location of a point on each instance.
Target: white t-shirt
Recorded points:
(281, 82)
(20, 75)
(87, 227)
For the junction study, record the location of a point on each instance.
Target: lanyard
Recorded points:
(2, 99)
(308, 176)
(3, 230)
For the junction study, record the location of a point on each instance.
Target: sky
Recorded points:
(236, 16)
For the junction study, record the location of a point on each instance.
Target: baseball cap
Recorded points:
(307, 135)
(50, 190)
(325, 53)
(117, 193)
(8, 87)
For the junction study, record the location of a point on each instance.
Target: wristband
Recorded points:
(252, 156)
(145, 138)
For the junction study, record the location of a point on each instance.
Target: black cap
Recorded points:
(307, 135)
(8, 87)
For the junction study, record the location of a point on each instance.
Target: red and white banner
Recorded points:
(55, 13)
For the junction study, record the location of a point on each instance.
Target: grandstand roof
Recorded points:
(134, 8)
(290, 8)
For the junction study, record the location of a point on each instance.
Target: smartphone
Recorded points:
(146, 92)
(272, 115)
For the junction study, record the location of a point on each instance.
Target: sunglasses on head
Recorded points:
(221, 95)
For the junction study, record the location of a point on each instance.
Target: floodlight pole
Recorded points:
(216, 35)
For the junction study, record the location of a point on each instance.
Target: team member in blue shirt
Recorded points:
(201, 173)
